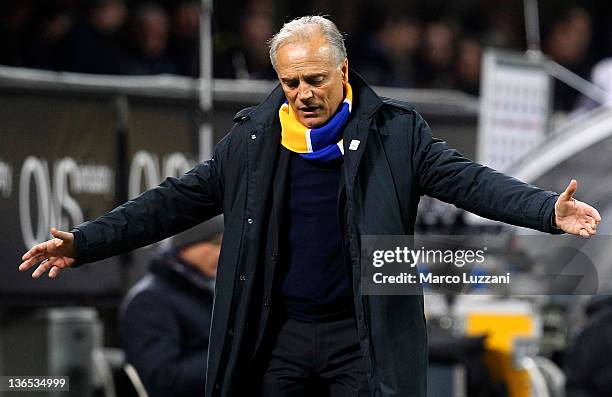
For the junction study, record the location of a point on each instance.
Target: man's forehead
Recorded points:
(306, 49)
(300, 55)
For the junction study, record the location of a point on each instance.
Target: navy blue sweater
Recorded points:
(315, 286)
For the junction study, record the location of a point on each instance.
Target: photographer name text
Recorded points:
(429, 278)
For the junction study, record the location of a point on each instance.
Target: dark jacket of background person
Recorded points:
(396, 161)
(589, 359)
(165, 324)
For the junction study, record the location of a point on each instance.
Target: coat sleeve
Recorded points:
(445, 174)
(175, 205)
(152, 340)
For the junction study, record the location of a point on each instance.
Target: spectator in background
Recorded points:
(467, 66)
(93, 43)
(435, 65)
(14, 22)
(165, 318)
(149, 32)
(588, 362)
(567, 42)
(249, 57)
(504, 26)
(387, 58)
(52, 22)
(186, 37)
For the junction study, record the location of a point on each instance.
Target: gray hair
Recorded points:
(300, 30)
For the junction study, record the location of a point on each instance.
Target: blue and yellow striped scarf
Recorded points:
(321, 144)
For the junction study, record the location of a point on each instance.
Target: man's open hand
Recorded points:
(573, 216)
(55, 254)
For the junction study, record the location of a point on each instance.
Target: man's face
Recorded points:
(313, 83)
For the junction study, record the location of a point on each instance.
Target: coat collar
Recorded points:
(358, 129)
(367, 101)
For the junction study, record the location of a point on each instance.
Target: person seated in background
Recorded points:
(93, 44)
(568, 41)
(149, 33)
(386, 56)
(588, 362)
(244, 55)
(165, 318)
(185, 38)
(434, 61)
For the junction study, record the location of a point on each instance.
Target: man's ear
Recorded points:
(344, 69)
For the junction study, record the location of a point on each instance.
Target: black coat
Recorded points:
(165, 325)
(395, 163)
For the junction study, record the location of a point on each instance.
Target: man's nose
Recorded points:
(305, 92)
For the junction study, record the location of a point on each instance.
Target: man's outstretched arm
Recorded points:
(173, 206)
(445, 174)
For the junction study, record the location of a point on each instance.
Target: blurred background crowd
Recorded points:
(434, 44)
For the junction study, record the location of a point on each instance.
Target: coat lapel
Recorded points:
(263, 142)
(355, 139)
(356, 133)
(263, 150)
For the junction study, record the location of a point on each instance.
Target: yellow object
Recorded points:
(502, 330)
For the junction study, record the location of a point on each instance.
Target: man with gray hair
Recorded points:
(300, 178)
